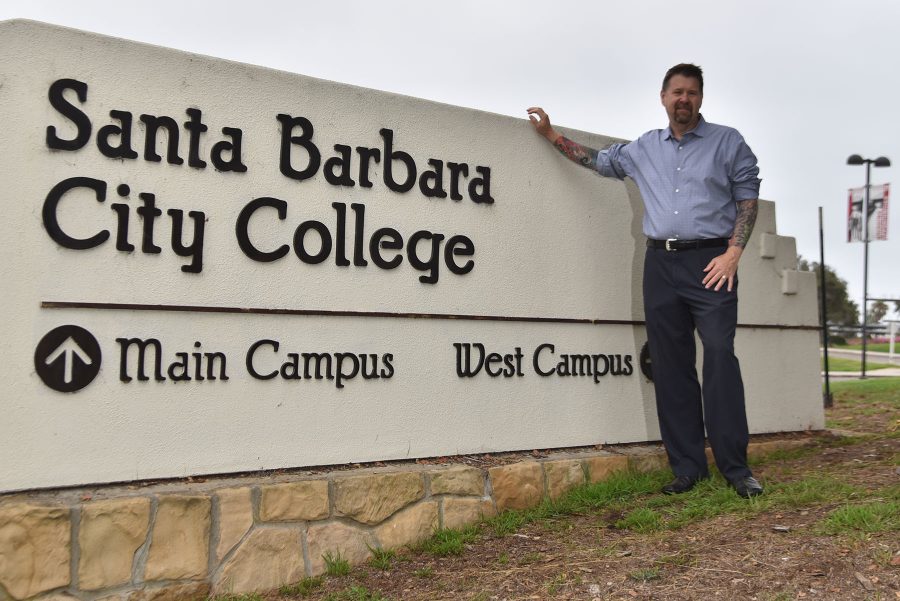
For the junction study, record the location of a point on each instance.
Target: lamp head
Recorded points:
(882, 162)
(855, 159)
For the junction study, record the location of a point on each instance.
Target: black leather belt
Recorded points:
(676, 244)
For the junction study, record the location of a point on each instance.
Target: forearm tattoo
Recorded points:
(743, 225)
(576, 152)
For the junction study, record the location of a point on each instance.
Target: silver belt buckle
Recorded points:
(670, 240)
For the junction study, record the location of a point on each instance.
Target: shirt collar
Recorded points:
(699, 130)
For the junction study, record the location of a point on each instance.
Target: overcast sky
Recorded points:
(808, 82)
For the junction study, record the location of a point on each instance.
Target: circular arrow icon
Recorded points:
(646, 365)
(67, 358)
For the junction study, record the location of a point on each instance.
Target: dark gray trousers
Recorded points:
(676, 303)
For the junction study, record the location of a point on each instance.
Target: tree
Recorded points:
(841, 310)
(877, 312)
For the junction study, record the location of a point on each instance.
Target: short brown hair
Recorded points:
(686, 70)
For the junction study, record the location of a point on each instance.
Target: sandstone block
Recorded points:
(352, 543)
(409, 526)
(459, 513)
(180, 544)
(109, 535)
(267, 559)
(517, 486)
(562, 476)
(647, 460)
(35, 549)
(192, 591)
(371, 498)
(600, 468)
(460, 480)
(294, 501)
(235, 518)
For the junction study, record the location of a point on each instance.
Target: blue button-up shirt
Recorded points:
(689, 187)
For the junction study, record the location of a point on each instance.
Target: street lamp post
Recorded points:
(855, 159)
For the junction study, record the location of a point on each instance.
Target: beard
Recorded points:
(683, 115)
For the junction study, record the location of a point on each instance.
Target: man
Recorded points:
(700, 188)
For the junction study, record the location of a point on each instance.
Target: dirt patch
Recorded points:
(723, 558)
(772, 555)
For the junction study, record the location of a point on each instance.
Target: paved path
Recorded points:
(890, 372)
(871, 357)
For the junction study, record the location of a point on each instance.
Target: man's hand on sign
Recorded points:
(541, 122)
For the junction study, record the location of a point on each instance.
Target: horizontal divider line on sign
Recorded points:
(329, 313)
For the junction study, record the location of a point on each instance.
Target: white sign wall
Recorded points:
(213, 267)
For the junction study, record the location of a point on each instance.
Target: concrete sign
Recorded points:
(213, 267)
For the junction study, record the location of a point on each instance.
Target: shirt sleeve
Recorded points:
(744, 173)
(614, 161)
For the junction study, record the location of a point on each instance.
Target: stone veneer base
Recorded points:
(191, 539)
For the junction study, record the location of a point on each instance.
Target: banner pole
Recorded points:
(865, 269)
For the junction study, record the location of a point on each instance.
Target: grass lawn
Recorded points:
(839, 364)
(868, 392)
(864, 404)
